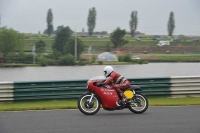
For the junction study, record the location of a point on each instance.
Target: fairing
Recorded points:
(107, 94)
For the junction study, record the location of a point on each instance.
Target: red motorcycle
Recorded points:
(106, 96)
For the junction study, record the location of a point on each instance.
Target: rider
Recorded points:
(119, 83)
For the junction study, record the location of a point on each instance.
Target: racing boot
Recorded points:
(122, 100)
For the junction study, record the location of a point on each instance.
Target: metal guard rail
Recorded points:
(41, 90)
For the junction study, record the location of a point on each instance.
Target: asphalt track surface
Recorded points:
(184, 119)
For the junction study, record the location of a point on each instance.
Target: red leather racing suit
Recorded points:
(120, 82)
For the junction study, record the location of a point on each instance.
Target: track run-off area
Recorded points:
(173, 119)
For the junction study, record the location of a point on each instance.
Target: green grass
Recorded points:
(72, 104)
(167, 101)
(178, 57)
(113, 63)
(17, 65)
(101, 42)
(38, 105)
(121, 63)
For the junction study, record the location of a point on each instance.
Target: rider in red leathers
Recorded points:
(119, 82)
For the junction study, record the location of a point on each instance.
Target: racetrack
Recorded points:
(155, 120)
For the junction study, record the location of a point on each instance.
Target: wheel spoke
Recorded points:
(138, 104)
(88, 104)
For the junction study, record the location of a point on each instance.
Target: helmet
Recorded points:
(108, 70)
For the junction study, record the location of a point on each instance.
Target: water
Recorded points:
(86, 72)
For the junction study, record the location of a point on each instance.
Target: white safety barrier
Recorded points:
(185, 85)
(6, 91)
(39, 90)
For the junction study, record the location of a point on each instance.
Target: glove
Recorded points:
(116, 85)
(99, 83)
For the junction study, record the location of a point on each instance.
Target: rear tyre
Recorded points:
(138, 104)
(86, 107)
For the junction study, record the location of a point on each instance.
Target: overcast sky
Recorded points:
(29, 16)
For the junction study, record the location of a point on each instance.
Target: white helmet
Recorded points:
(107, 70)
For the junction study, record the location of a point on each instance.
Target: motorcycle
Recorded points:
(105, 95)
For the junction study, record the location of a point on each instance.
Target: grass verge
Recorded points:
(72, 104)
(38, 105)
(168, 101)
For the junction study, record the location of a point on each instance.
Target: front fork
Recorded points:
(92, 95)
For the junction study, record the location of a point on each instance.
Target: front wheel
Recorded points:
(88, 104)
(138, 104)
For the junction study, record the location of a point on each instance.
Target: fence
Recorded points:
(41, 90)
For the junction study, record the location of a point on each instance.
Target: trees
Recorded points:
(49, 22)
(171, 24)
(69, 47)
(133, 23)
(45, 31)
(117, 38)
(64, 44)
(11, 40)
(91, 21)
(58, 29)
(61, 39)
(40, 46)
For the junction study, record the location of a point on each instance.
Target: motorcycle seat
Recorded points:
(134, 87)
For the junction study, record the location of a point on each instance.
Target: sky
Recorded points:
(29, 16)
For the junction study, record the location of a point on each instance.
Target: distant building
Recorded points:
(136, 33)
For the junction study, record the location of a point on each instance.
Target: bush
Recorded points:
(43, 62)
(83, 62)
(93, 59)
(56, 54)
(121, 58)
(100, 62)
(14, 58)
(17, 58)
(66, 60)
(52, 62)
(125, 58)
(28, 58)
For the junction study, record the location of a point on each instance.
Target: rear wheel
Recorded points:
(138, 104)
(88, 107)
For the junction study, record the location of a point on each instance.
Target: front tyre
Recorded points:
(87, 107)
(138, 104)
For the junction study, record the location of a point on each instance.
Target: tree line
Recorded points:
(12, 44)
(91, 23)
(117, 35)
(63, 46)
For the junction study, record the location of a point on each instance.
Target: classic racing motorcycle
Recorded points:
(106, 96)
